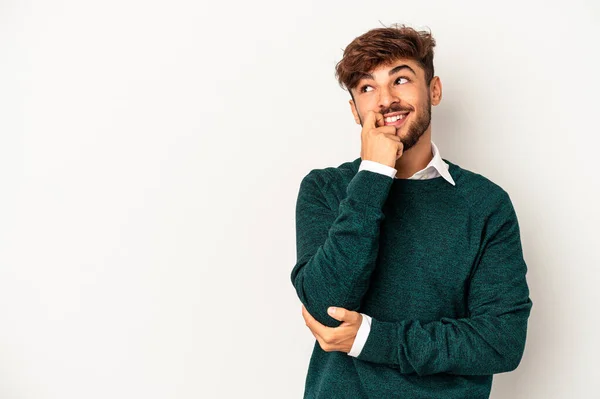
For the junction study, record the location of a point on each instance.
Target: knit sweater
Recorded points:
(438, 268)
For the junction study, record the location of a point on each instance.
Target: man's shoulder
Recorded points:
(333, 176)
(478, 189)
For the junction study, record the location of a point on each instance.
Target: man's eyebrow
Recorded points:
(390, 73)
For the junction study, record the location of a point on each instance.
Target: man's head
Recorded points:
(390, 70)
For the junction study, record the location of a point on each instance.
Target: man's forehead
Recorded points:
(396, 63)
(391, 69)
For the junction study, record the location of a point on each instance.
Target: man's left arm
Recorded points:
(491, 339)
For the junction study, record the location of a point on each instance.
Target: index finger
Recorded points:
(374, 119)
(313, 324)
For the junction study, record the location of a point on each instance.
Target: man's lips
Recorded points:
(399, 122)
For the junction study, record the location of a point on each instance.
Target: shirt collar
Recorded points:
(438, 163)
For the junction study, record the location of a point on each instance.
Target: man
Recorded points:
(409, 267)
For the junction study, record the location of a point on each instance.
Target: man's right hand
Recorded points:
(379, 142)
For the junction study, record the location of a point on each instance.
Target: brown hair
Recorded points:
(382, 46)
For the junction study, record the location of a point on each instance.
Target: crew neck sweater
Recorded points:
(436, 167)
(439, 269)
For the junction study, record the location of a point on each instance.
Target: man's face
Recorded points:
(398, 88)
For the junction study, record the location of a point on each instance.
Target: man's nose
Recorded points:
(387, 97)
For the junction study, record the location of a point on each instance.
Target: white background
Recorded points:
(151, 154)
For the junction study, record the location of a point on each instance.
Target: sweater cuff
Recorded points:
(369, 187)
(382, 345)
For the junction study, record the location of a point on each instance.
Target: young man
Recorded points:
(419, 259)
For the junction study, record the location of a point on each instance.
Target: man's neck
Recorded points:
(416, 158)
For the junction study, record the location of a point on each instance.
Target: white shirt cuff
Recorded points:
(377, 168)
(361, 336)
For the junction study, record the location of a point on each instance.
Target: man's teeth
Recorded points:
(395, 118)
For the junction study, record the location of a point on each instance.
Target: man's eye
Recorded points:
(402, 81)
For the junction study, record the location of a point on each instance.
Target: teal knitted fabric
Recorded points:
(438, 267)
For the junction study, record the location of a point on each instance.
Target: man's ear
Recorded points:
(435, 90)
(354, 112)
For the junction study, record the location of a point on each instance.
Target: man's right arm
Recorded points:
(337, 249)
(365, 326)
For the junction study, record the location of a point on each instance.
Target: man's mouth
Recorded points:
(395, 118)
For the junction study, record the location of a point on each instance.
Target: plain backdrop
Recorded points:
(151, 154)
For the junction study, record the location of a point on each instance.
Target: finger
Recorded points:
(392, 137)
(387, 130)
(324, 345)
(380, 121)
(338, 313)
(322, 341)
(346, 315)
(318, 337)
(399, 144)
(374, 119)
(314, 324)
(307, 317)
(370, 119)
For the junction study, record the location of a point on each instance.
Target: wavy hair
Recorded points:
(382, 46)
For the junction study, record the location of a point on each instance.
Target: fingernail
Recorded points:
(331, 310)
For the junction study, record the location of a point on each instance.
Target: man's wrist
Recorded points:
(361, 336)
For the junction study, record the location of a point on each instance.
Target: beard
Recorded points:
(417, 128)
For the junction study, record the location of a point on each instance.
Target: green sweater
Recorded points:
(438, 267)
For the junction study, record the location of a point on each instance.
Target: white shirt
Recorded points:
(435, 168)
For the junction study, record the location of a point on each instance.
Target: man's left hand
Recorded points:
(339, 338)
